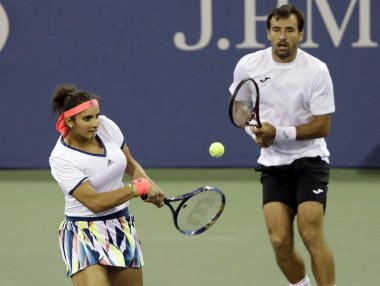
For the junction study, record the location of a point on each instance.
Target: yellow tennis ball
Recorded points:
(216, 149)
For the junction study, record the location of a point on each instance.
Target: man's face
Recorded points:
(284, 36)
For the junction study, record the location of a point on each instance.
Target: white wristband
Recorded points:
(285, 133)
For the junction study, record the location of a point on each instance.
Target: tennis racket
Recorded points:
(244, 104)
(196, 211)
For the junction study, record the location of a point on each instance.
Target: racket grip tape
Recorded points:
(140, 187)
(144, 197)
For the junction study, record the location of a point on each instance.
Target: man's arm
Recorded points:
(318, 127)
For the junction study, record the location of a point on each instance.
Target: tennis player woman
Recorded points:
(98, 240)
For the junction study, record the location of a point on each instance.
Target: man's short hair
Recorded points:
(284, 12)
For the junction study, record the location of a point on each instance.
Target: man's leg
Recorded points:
(310, 226)
(279, 220)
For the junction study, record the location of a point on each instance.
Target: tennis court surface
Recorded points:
(235, 251)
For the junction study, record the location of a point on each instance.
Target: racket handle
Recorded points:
(144, 197)
(141, 186)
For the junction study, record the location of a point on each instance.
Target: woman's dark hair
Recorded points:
(284, 12)
(66, 96)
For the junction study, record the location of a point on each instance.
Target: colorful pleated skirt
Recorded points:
(110, 241)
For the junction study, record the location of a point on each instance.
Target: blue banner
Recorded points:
(163, 68)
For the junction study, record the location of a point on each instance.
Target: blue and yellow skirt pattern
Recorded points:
(111, 241)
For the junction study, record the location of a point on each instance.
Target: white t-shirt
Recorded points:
(290, 94)
(70, 167)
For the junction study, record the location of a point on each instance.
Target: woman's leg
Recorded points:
(94, 275)
(119, 276)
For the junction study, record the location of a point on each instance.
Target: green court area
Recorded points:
(235, 251)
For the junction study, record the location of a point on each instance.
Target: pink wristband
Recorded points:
(142, 186)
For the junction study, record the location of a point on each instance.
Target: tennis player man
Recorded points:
(296, 101)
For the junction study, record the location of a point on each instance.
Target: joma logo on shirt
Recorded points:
(264, 79)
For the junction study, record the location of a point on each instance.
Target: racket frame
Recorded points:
(183, 199)
(255, 113)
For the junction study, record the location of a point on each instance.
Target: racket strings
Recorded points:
(244, 104)
(200, 211)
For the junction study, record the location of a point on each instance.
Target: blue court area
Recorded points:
(235, 251)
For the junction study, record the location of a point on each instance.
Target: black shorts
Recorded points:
(306, 179)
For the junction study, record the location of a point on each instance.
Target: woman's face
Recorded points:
(86, 123)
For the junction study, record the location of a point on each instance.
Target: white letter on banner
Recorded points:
(206, 30)
(337, 32)
(4, 27)
(365, 26)
(250, 27)
(309, 43)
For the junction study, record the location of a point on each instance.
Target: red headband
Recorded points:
(61, 125)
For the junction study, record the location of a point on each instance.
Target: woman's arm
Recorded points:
(100, 202)
(134, 170)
